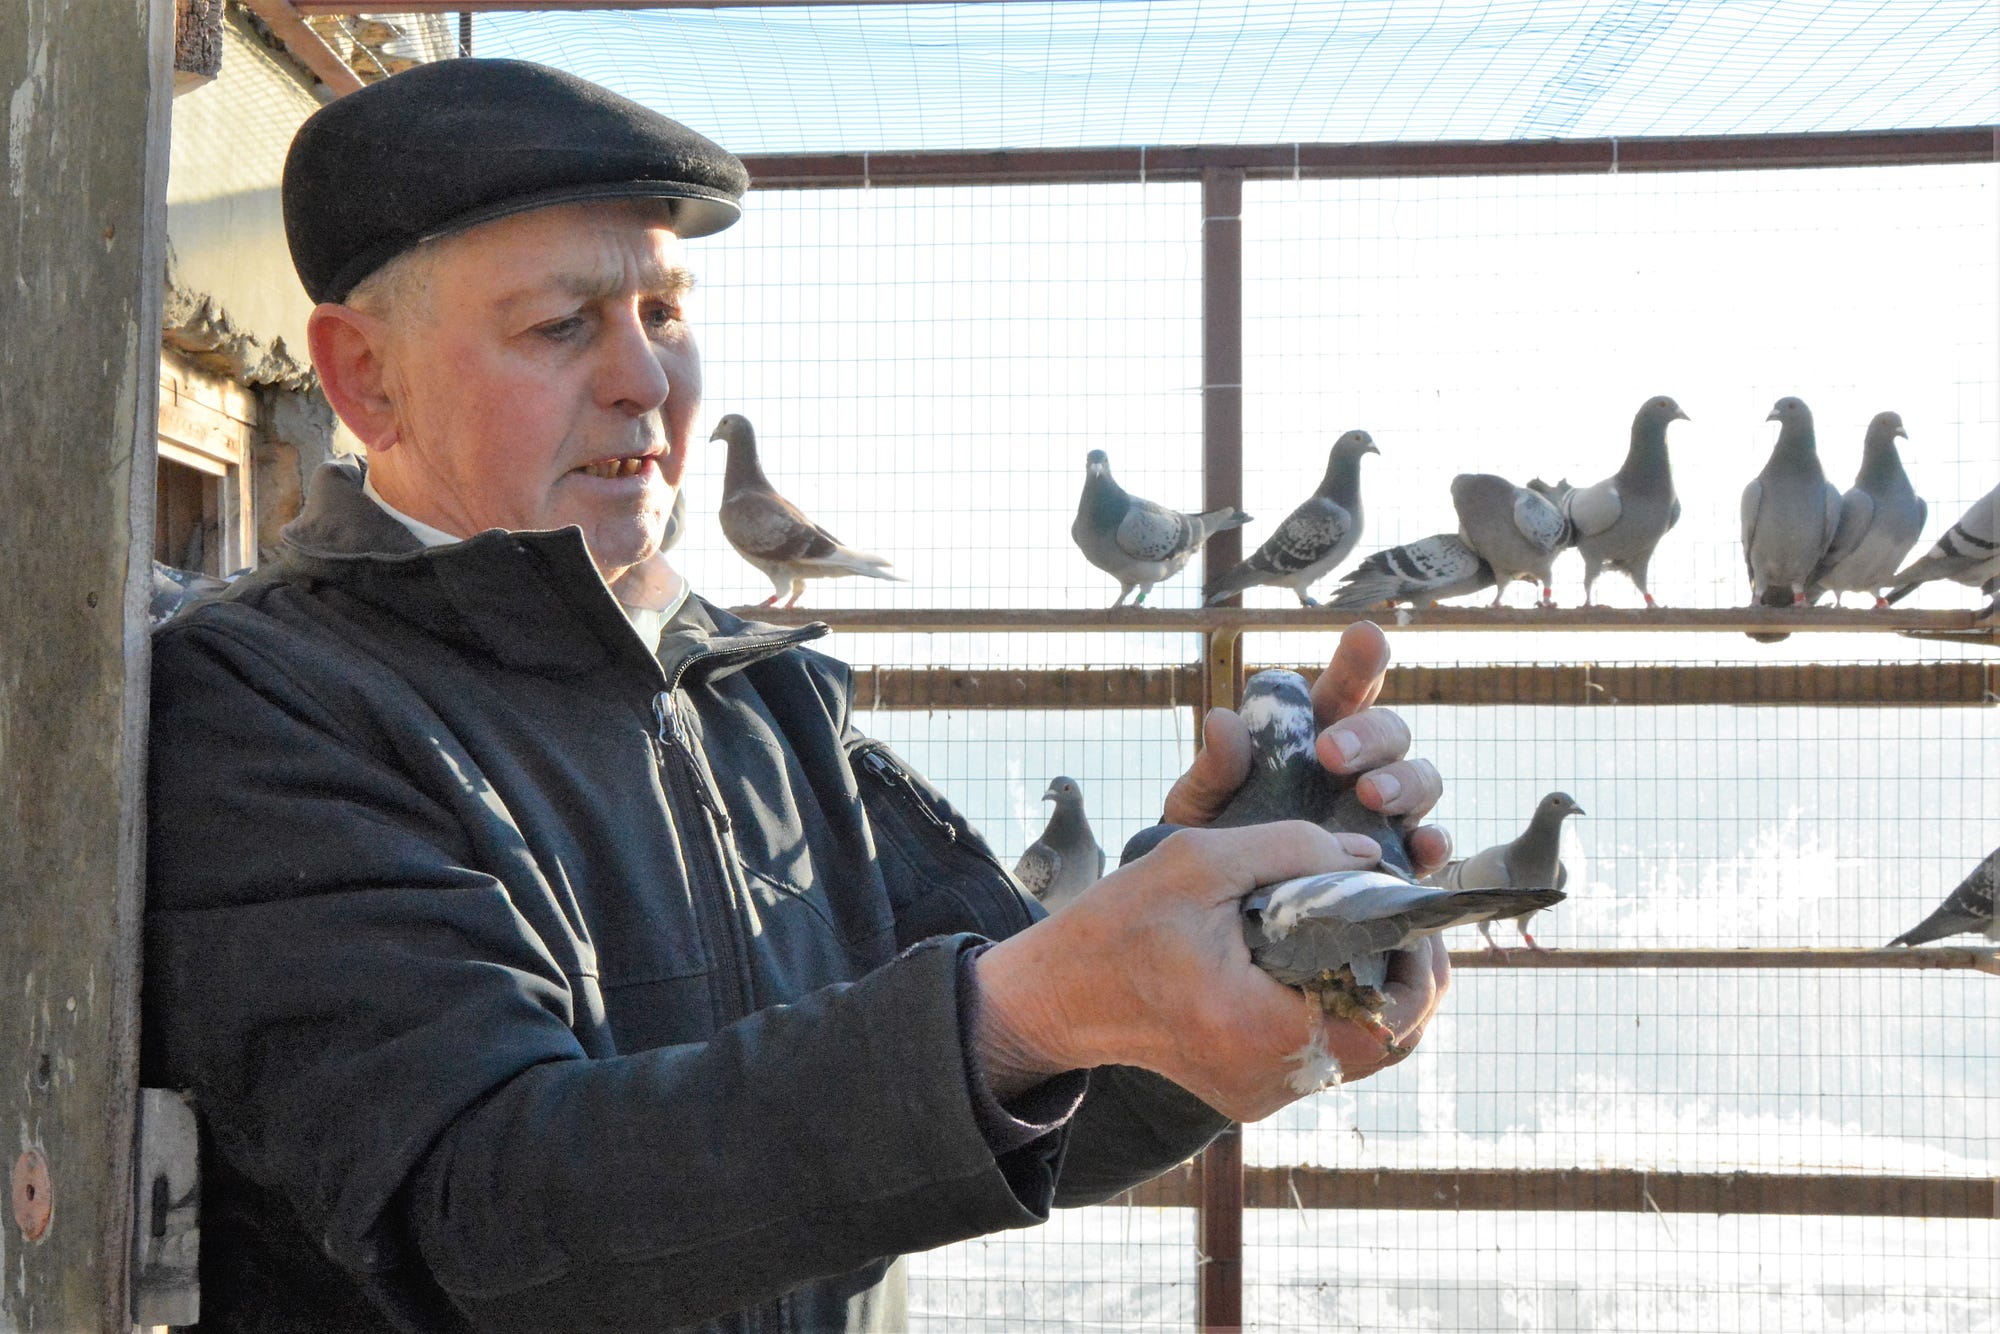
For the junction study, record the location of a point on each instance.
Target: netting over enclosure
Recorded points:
(1631, 1131)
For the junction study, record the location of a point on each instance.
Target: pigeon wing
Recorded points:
(766, 526)
(1038, 868)
(1595, 508)
(1154, 532)
(1305, 537)
(1539, 521)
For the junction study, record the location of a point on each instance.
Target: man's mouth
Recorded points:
(630, 466)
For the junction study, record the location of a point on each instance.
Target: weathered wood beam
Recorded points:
(197, 43)
(311, 50)
(1591, 1190)
(1582, 685)
(1945, 957)
(1516, 620)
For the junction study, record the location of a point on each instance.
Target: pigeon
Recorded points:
(1880, 518)
(1531, 861)
(1314, 538)
(771, 532)
(1331, 935)
(1618, 523)
(1135, 541)
(1517, 532)
(1422, 572)
(1065, 860)
(1967, 908)
(175, 589)
(1968, 553)
(1790, 512)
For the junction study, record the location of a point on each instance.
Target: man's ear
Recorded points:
(349, 350)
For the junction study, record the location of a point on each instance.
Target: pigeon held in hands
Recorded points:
(1135, 541)
(1618, 523)
(1066, 859)
(771, 532)
(1531, 861)
(1331, 935)
(1881, 516)
(1516, 531)
(1314, 538)
(1421, 573)
(1968, 553)
(1967, 908)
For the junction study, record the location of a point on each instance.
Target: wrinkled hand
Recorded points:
(1149, 968)
(1355, 737)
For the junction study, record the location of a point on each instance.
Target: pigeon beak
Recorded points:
(1680, 416)
(1049, 795)
(1901, 434)
(1369, 448)
(1578, 810)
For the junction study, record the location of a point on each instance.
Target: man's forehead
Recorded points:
(580, 254)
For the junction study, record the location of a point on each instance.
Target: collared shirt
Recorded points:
(649, 593)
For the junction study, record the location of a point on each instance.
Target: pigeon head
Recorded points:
(1063, 791)
(733, 428)
(1559, 804)
(1354, 444)
(1097, 464)
(1791, 412)
(1885, 427)
(1277, 708)
(1659, 411)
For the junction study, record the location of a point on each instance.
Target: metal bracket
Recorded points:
(166, 1228)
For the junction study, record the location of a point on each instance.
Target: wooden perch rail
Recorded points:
(1590, 1190)
(1942, 957)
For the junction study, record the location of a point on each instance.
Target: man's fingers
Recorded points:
(1222, 865)
(1219, 768)
(1408, 788)
(1416, 984)
(1429, 848)
(1363, 741)
(1353, 678)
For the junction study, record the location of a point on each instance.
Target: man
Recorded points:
(543, 946)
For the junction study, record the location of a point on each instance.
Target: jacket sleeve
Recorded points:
(377, 1038)
(1132, 1124)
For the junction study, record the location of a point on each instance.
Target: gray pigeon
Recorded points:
(771, 532)
(1135, 541)
(1517, 532)
(1065, 860)
(1967, 908)
(1618, 523)
(1790, 512)
(175, 589)
(1331, 935)
(1421, 572)
(1531, 861)
(1968, 553)
(1880, 518)
(1315, 537)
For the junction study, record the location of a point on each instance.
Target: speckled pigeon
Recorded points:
(1331, 935)
(175, 588)
(1790, 512)
(1422, 572)
(1531, 861)
(771, 532)
(1967, 908)
(1968, 553)
(1618, 523)
(1517, 532)
(1314, 538)
(1135, 541)
(1881, 517)
(1066, 859)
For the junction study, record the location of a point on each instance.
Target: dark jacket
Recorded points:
(526, 981)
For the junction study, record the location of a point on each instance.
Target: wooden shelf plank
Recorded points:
(1938, 957)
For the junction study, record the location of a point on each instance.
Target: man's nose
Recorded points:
(632, 377)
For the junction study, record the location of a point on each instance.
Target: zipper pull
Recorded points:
(892, 774)
(673, 735)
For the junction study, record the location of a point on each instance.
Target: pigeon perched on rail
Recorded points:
(1422, 572)
(1880, 518)
(1968, 553)
(1331, 935)
(1066, 859)
(1531, 861)
(1967, 908)
(1517, 532)
(771, 532)
(1618, 523)
(1135, 541)
(1790, 512)
(1314, 538)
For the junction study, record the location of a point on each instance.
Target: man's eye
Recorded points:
(560, 331)
(662, 315)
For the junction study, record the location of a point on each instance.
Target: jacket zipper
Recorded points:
(892, 774)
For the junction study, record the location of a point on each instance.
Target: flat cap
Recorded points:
(449, 145)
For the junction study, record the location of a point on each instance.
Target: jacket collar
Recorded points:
(530, 600)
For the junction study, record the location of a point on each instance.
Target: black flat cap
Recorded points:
(445, 146)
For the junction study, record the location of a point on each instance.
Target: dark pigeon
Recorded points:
(1967, 908)
(1968, 553)
(1881, 517)
(1314, 538)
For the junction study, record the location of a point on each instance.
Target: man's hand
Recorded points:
(1149, 968)
(1355, 737)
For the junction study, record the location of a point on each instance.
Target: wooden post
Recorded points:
(1222, 361)
(1220, 1228)
(82, 250)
